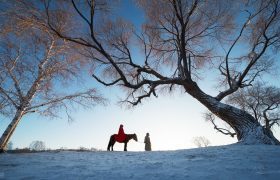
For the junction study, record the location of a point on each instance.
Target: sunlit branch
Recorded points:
(90, 94)
(8, 97)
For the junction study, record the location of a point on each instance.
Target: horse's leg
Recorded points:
(110, 143)
(113, 143)
(125, 146)
(108, 147)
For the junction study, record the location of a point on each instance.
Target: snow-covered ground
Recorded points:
(224, 162)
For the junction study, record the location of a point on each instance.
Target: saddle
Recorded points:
(120, 137)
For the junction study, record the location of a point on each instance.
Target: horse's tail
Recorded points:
(110, 143)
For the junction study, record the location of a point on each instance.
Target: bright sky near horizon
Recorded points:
(172, 120)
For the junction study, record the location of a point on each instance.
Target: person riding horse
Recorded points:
(120, 137)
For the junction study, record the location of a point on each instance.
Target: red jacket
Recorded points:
(120, 137)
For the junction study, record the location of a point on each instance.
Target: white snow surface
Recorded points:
(221, 162)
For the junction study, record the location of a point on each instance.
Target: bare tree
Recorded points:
(263, 102)
(37, 146)
(37, 70)
(175, 42)
(201, 141)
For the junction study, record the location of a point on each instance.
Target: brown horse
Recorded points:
(113, 141)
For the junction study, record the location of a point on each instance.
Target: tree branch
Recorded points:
(89, 94)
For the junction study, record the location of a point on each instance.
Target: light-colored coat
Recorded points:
(148, 146)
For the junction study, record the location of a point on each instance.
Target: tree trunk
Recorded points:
(247, 128)
(10, 129)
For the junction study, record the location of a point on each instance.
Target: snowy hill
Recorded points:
(224, 162)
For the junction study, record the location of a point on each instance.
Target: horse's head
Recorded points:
(134, 137)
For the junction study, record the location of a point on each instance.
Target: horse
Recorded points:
(113, 141)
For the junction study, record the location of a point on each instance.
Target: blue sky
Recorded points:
(172, 120)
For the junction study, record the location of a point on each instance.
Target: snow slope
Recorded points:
(222, 162)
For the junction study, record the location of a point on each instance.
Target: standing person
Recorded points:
(120, 137)
(147, 141)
